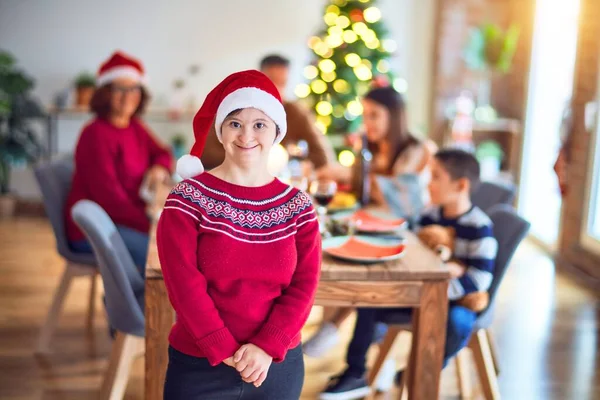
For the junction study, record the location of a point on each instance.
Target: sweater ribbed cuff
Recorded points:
(273, 341)
(218, 346)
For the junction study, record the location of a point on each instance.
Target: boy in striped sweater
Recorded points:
(454, 173)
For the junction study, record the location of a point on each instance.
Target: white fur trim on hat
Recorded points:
(120, 72)
(189, 166)
(251, 97)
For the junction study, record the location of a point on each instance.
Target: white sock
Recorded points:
(385, 379)
(326, 337)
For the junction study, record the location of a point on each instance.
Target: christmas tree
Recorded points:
(352, 55)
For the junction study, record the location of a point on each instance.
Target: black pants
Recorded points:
(192, 378)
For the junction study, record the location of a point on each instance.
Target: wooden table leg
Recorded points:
(159, 319)
(429, 336)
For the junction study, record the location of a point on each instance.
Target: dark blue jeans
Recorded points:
(135, 241)
(459, 327)
(193, 378)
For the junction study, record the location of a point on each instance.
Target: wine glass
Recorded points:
(323, 192)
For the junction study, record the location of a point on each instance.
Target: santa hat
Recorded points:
(120, 65)
(245, 89)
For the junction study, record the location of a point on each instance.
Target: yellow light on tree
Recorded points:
(364, 1)
(330, 18)
(328, 53)
(312, 42)
(310, 72)
(321, 126)
(400, 85)
(372, 14)
(355, 108)
(383, 66)
(350, 36)
(328, 76)
(373, 44)
(352, 59)
(318, 86)
(346, 158)
(359, 27)
(333, 9)
(368, 35)
(366, 63)
(326, 65)
(335, 31)
(362, 72)
(302, 90)
(389, 45)
(338, 111)
(341, 3)
(343, 21)
(334, 40)
(341, 86)
(362, 88)
(324, 108)
(325, 119)
(321, 49)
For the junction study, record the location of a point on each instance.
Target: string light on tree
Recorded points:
(372, 14)
(352, 59)
(349, 36)
(324, 108)
(318, 86)
(311, 72)
(302, 90)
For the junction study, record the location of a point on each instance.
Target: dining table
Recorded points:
(418, 280)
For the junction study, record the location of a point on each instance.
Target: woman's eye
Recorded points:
(235, 124)
(260, 125)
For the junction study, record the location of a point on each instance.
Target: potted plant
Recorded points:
(490, 51)
(85, 84)
(18, 142)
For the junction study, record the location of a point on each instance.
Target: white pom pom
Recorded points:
(189, 166)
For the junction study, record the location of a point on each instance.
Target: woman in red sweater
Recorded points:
(114, 154)
(240, 253)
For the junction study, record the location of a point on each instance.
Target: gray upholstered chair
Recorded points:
(124, 294)
(54, 179)
(489, 194)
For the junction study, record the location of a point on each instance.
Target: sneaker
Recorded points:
(346, 387)
(385, 379)
(324, 340)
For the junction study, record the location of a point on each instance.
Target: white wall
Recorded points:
(55, 40)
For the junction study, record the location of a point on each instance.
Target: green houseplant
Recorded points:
(18, 142)
(489, 51)
(85, 84)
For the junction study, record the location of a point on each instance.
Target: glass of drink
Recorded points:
(323, 192)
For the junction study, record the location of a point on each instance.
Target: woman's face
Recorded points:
(248, 137)
(125, 98)
(376, 119)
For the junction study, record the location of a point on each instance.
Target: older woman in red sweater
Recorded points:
(240, 253)
(114, 154)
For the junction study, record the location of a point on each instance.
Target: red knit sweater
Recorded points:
(110, 164)
(241, 265)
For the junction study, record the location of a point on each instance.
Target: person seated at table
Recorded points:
(403, 159)
(114, 154)
(301, 124)
(454, 174)
(240, 253)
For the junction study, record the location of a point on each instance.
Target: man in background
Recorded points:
(300, 123)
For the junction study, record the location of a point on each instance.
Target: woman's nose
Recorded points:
(246, 135)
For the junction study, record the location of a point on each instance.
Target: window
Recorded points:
(591, 225)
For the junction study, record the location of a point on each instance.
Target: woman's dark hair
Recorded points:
(398, 136)
(100, 102)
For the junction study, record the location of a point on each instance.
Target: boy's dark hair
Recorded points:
(274, 60)
(459, 164)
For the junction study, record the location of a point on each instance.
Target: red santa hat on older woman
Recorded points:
(120, 65)
(245, 89)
